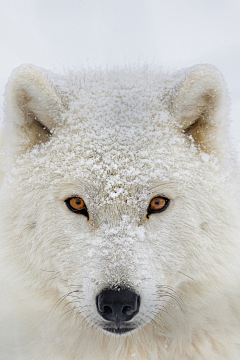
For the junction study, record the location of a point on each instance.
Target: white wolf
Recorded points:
(120, 227)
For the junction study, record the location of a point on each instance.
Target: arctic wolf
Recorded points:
(120, 227)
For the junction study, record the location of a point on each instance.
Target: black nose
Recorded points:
(118, 305)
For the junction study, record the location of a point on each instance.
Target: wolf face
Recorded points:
(118, 198)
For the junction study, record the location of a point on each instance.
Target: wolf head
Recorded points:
(117, 196)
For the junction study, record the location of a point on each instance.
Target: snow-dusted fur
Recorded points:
(117, 139)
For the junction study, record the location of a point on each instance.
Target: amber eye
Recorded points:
(77, 205)
(157, 204)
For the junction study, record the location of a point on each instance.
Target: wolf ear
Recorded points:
(199, 104)
(31, 105)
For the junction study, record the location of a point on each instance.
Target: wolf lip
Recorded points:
(118, 331)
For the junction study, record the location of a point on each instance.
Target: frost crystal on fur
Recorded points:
(117, 139)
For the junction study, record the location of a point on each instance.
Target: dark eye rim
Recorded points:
(83, 211)
(150, 210)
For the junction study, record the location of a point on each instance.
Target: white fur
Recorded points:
(118, 138)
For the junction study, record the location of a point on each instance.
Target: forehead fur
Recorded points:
(115, 133)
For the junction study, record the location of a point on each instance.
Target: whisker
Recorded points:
(186, 275)
(66, 312)
(52, 278)
(60, 300)
(173, 297)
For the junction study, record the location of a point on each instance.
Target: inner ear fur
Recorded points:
(199, 105)
(32, 106)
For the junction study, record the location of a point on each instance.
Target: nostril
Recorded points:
(133, 308)
(127, 310)
(107, 310)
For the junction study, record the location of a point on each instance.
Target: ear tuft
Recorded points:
(32, 106)
(199, 104)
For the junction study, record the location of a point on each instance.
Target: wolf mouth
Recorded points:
(118, 331)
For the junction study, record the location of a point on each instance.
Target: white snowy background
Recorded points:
(58, 34)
